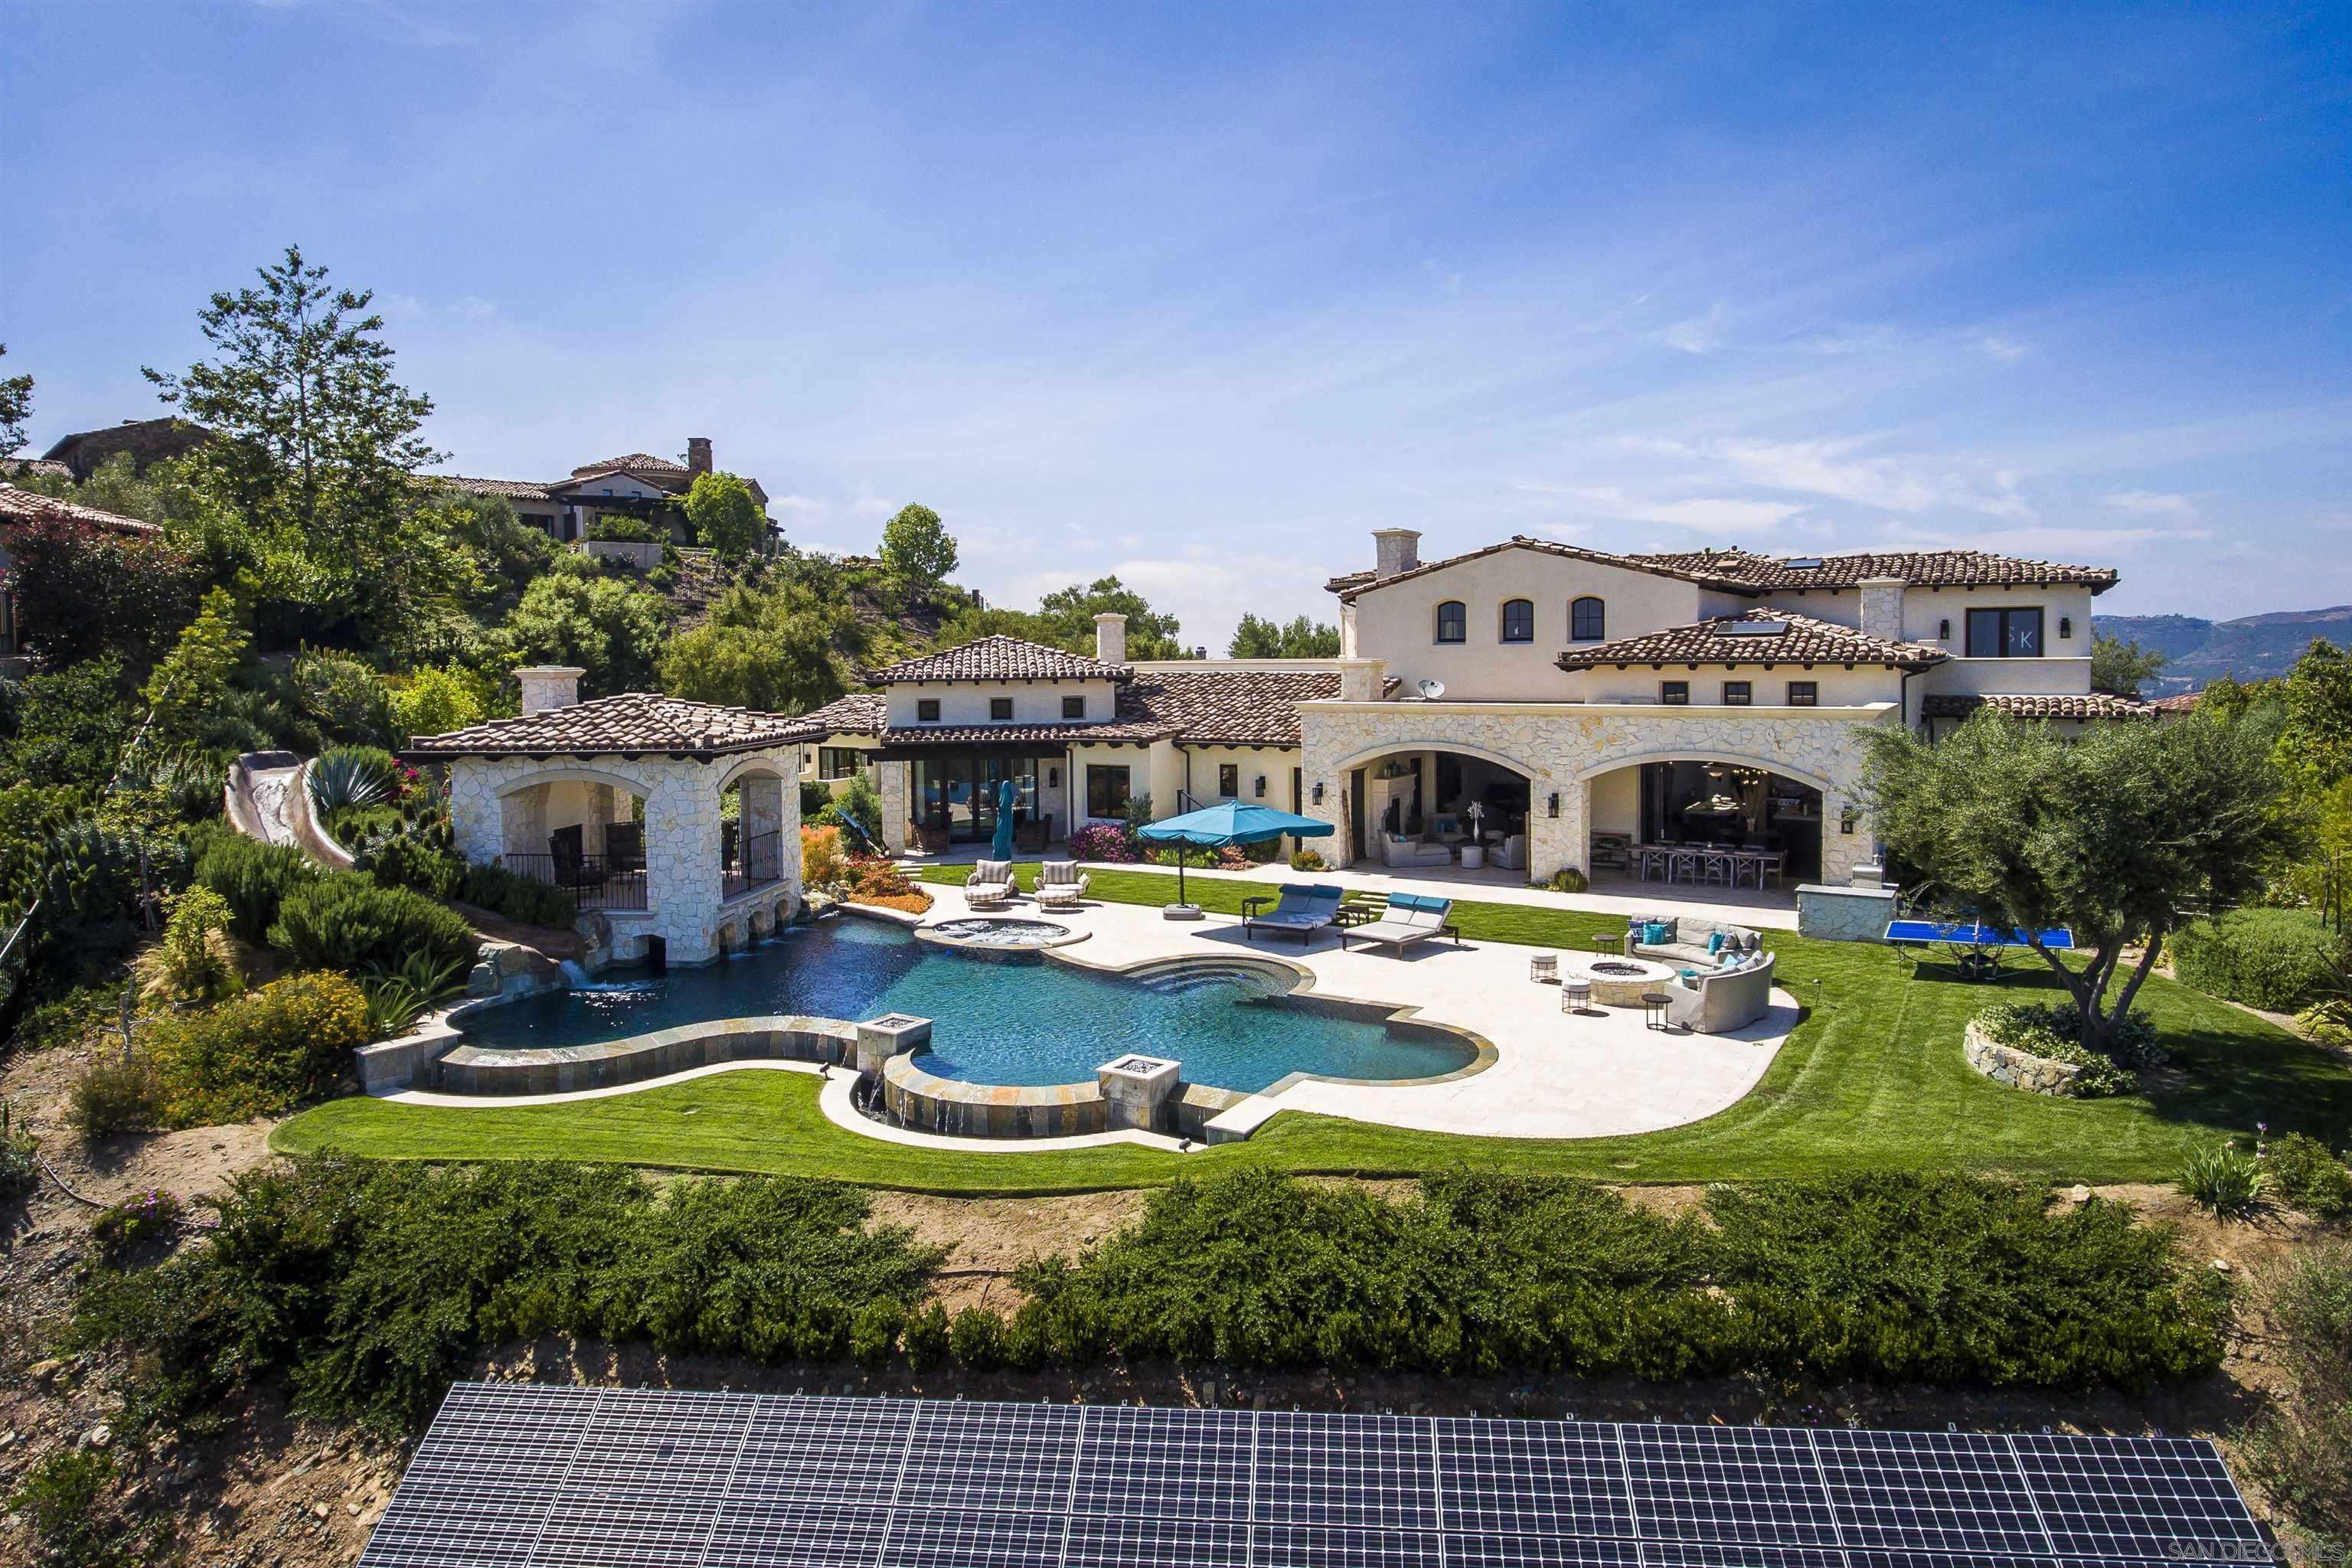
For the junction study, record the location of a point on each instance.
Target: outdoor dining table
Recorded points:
(1691, 863)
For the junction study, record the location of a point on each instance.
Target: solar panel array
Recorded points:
(519, 1475)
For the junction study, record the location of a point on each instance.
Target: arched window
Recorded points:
(1587, 620)
(1453, 624)
(1519, 620)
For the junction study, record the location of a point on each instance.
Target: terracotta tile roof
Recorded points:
(859, 713)
(36, 467)
(1778, 637)
(2180, 703)
(1239, 707)
(25, 506)
(1354, 583)
(512, 490)
(1922, 568)
(1001, 657)
(630, 463)
(2088, 705)
(635, 721)
(1020, 734)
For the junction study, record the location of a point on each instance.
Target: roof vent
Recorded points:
(1750, 628)
(1803, 563)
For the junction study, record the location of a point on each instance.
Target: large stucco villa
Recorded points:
(1526, 706)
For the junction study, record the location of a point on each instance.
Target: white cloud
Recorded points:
(2151, 503)
(1826, 467)
(2007, 350)
(1718, 512)
(1699, 335)
(797, 505)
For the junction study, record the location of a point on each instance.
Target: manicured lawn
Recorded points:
(1872, 1078)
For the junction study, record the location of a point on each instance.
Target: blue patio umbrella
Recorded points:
(1231, 821)
(1001, 846)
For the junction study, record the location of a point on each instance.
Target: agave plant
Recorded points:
(2224, 1180)
(348, 777)
(397, 997)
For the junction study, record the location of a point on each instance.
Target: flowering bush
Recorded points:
(118, 1229)
(870, 879)
(822, 864)
(1103, 841)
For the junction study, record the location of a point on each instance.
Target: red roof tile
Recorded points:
(1001, 657)
(631, 723)
(26, 506)
(1776, 637)
(2088, 705)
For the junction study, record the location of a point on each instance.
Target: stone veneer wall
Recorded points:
(1557, 743)
(682, 843)
(2019, 1069)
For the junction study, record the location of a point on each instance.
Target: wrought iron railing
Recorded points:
(596, 882)
(752, 860)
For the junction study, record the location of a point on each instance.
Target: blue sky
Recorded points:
(1201, 296)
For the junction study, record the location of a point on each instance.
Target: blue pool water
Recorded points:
(994, 1021)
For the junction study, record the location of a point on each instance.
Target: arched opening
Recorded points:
(580, 831)
(750, 829)
(1431, 806)
(1703, 820)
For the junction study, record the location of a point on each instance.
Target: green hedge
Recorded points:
(346, 921)
(254, 876)
(261, 1053)
(2273, 959)
(520, 898)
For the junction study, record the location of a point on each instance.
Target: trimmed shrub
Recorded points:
(926, 1336)
(262, 1054)
(1568, 880)
(254, 876)
(1306, 861)
(406, 860)
(1103, 841)
(2053, 1031)
(520, 898)
(347, 921)
(2307, 1173)
(976, 1339)
(873, 1331)
(2268, 958)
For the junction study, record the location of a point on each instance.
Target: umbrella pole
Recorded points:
(1180, 873)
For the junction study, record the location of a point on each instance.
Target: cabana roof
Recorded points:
(635, 723)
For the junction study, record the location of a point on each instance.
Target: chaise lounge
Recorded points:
(992, 883)
(1305, 908)
(1060, 884)
(1410, 918)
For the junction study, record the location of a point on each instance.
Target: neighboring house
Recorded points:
(148, 441)
(635, 484)
(23, 507)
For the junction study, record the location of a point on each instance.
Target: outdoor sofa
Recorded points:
(1410, 918)
(1717, 1001)
(1305, 908)
(1686, 939)
(992, 883)
(1397, 850)
(1060, 884)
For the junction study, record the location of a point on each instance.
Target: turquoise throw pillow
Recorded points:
(1714, 942)
(1656, 935)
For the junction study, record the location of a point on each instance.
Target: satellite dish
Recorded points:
(1431, 690)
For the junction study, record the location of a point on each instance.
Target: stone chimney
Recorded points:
(1110, 638)
(547, 686)
(1881, 607)
(698, 453)
(1399, 550)
(1363, 679)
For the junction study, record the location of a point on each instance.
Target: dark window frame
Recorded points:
(1674, 693)
(1229, 780)
(829, 763)
(1596, 618)
(1527, 626)
(1804, 694)
(2007, 622)
(1116, 779)
(1000, 709)
(926, 710)
(1739, 694)
(1458, 622)
(1074, 707)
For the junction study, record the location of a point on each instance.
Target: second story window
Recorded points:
(1736, 694)
(1587, 620)
(1229, 779)
(926, 710)
(2005, 634)
(1519, 620)
(838, 761)
(1452, 623)
(1674, 693)
(1074, 707)
(1000, 707)
(1804, 694)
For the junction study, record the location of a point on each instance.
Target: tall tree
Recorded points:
(1071, 613)
(1301, 639)
(916, 550)
(781, 649)
(2108, 834)
(2316, 745)
(16, 408)
(2120, 667)
(724, 516)
(574, 613)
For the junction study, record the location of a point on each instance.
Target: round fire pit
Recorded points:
(1617, 981)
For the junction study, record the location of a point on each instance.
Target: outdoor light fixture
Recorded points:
(1053, 778)
(1553, 807)
(2067, 626)
(1943, 631)
(1847, 819)
(1319, 792)
(1261, 786)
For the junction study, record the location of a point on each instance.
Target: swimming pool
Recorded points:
(1021, 1023)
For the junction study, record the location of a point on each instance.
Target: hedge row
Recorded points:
(2275, 959)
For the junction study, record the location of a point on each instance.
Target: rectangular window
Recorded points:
(1074, 707)
(839, 762)
(926, 710)
(2005, 634)
(1229, 779)
(1674, 693)
(1452, 622)
(1000, 707)
(1804, 694)
(1106, 790)
(1736, 694)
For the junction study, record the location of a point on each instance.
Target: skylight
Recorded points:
(1803, 563)
(1750, 628)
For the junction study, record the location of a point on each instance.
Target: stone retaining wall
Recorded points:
(2019, 1069)
(559, 1069)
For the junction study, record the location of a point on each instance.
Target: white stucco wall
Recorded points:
(1566, 747)
(496, 804)
(1033, 701)
(1838, 687)
(1155, 770)
(1272, 762)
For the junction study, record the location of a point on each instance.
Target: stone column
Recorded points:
(762, 825)
(1881, 607)
(1563, 840)
(1359, 679)
(879, 1040)
(523, 821)
(890, 783)
(600, 815)
(476, 814)
(682, 874)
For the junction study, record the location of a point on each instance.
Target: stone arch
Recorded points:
(1703, 754)
(574, 774)
(743, 767)
(1533, 773)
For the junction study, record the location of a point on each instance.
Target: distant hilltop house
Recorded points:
(635, 484)
(83, 453)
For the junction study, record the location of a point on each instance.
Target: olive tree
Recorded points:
(724, 514)
(2108, 834)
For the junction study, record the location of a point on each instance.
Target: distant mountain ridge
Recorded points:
(2251, 647)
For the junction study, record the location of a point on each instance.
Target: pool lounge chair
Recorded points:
(1411, 918)
(1303, 908)
(992, 883)
(1060, 884)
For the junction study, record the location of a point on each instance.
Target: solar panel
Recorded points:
(538, 1478)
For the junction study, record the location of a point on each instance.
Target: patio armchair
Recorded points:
(991, 883)
(1303, 908)
(1060, 884)
(1717, 1001)
(1411, 918)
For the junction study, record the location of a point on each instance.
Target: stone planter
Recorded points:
(2018, 1069)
